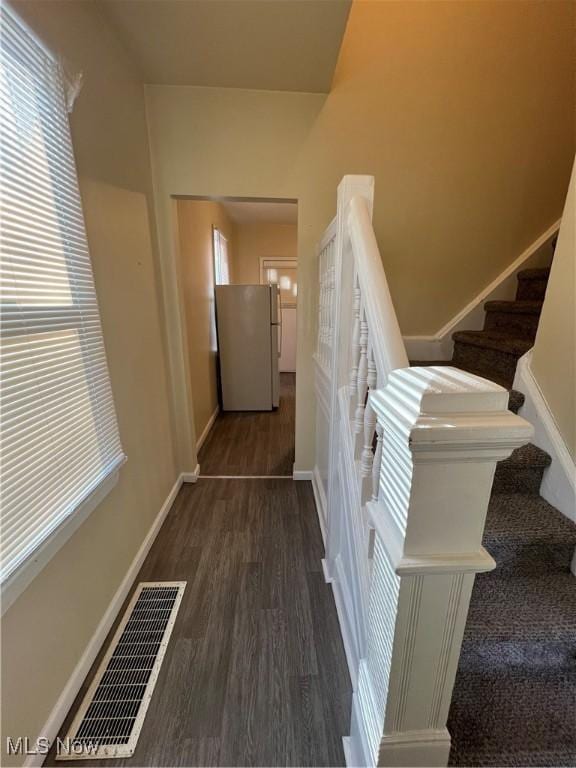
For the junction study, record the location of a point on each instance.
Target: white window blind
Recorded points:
(59, 435)
(221, 267)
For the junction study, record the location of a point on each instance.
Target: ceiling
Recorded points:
(262, 212)
(286, 45)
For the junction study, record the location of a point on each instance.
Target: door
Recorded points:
(283, 273)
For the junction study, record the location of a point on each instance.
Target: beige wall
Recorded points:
(45, 632)
(195, 221)
(554, 355)
(464, 112)
(255, 240)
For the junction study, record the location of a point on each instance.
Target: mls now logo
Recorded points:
(24, 746)
(67, 747)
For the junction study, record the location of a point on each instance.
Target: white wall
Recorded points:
(554, 355)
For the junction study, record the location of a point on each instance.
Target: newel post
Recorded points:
(443, 431)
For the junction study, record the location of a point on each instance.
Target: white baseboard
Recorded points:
(326, 572)
(428, 348)
(415, 748)
(202, 439)
(302, 474)
(190, 477)
(320, 500)
(438, 346)
(349, 758)
(344, 621)
(70, 691)
(559, 482)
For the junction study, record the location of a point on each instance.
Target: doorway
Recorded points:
(239, 277)
(283, 272)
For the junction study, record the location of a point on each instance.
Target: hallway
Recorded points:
(253, 443)
(255, 671)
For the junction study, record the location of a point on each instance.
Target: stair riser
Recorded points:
(531, 290)
(514, 324)
(510, 479)
(489, 362)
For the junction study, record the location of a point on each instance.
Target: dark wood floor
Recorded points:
(252, 443)
(255, 672)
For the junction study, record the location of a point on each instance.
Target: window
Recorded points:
(59, 438)
(221, 266)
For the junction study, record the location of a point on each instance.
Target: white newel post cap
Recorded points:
(444, 431)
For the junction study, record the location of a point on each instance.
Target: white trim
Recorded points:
(190, 477)
(559, 482)
(326, 571)
(245, 477)
(320, 501)
(347, 747)
(411, 748)
(344, 619)
(328, 236)
(18, 581)
(202, 439)
(302, 474)
(284, 261)
(438, 346)
(66, 699)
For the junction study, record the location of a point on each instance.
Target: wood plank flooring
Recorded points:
(252, 443)
(255, 671)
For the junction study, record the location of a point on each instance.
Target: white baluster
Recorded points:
(355, 346)
(330, 300)
(362, 380)
(377, 461)
(369, 420)
(323, 309)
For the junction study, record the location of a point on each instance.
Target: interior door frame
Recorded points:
(283, 261)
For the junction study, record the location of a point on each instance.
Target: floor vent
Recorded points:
(110, 717)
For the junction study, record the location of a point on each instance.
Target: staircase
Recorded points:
(514, 700)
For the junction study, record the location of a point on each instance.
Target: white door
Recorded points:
(283, 272)
(288, 356)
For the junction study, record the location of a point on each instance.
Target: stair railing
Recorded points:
(405, 459)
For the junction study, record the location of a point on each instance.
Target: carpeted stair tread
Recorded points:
(522, 471)
(528, 455)
(515, 319)
(526, 607)
(514, 698)
(538, 273)
(515, 307)
(516, 400)
(515, 517)
(499, 342)
(519, 716)
(526, 536)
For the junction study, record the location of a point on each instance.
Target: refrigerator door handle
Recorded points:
(280, 326)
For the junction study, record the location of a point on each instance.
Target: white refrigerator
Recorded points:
(249, 326)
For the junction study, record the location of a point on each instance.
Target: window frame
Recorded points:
(218, 237)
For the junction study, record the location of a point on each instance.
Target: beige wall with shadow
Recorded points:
(196, 218)
(463, 112)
